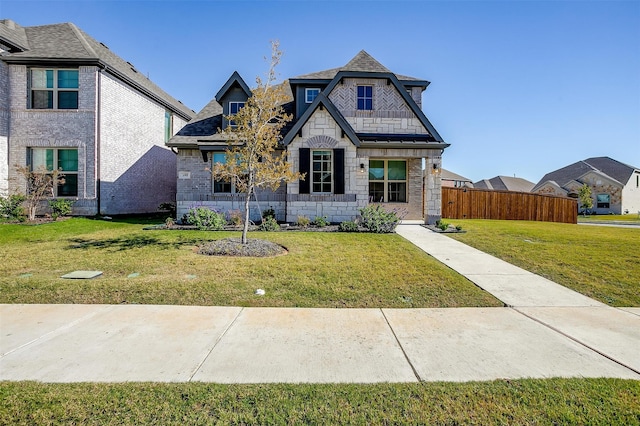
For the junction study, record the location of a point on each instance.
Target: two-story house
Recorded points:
(359, 135)
(68, 102)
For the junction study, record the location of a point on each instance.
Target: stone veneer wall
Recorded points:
(55, 129)
(322, 132)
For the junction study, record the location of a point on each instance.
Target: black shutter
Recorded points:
(338, 171)
(305, 168)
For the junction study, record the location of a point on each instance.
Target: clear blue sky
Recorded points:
(518, 87)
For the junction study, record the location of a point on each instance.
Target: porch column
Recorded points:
(432, 189)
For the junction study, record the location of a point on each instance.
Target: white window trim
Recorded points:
(55, 89)
(331, 172)
(306, 94)
(231, 122)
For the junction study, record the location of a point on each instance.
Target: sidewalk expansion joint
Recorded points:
(215, 344)
(578, 341)
(415, 372)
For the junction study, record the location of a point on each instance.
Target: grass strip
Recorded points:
(512, 402)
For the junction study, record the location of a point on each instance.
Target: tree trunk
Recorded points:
(245, 229)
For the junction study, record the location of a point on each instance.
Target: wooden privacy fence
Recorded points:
(466, 203)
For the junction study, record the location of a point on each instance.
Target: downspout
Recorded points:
(97, 144)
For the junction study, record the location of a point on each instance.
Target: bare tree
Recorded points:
(253, 158)
(40, 184)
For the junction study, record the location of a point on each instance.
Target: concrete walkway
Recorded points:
(545, 331)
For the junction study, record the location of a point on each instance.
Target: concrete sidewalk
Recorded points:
(545, 331)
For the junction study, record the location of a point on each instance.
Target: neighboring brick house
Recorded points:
(615, 186)
(358, 134)
(67, 101)
(505, 183)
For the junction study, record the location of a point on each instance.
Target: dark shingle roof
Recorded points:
(67, 43)
(362, 62)
(13, 35)
(204, 126)
(608, 166)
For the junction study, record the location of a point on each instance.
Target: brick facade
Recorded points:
(119, 135)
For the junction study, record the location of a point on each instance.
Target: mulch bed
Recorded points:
(234, 247)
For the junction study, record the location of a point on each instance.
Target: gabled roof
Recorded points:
(618, 171)
(362, 62)
(235, 79)
(13, 35)
(322, 101)
(66, 44)
(505, 183)
(448, 175)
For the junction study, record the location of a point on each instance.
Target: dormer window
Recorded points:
(365, 98)
(54, 89)
(311, 94)
(234, 107)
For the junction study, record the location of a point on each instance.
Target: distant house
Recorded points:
(68, 102)
(505, 183)
(452, 180)
(358, 134)
(615, 186)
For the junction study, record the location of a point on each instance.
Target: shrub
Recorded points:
(320, 221)
(378, 220)
(60, 207)
(442, 225)
(235, 218)
(348, 226)
(303, 221)
(168, 207)
(269, 213)
(11, 208)
(206, 219)
(458, 228)
(269, 224)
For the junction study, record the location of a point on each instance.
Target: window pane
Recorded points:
(41, 158)
(220, 158)
(68, 100)
(67, 79)
(68, 160)
(397, 170)
(221, 187)
(42, 79)
(376, 192)
(397, 192)
(376, 169)
(603, 198)
(42, 99)
(311, 94)
(70, 186)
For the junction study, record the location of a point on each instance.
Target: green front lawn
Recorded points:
(321, 269)
(508, 402)
(597, 261)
